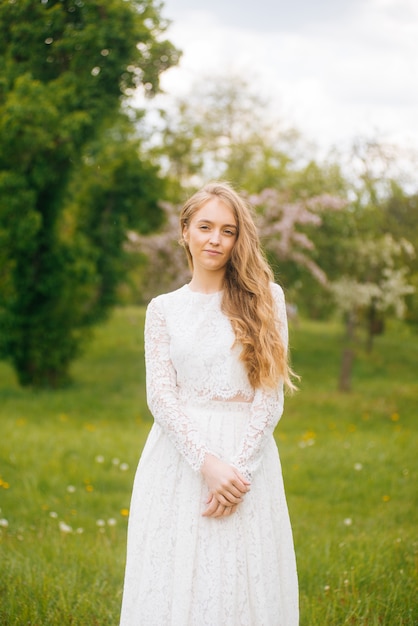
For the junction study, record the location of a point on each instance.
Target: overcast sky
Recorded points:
(334, 69)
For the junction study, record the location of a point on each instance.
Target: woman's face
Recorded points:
(211, 236)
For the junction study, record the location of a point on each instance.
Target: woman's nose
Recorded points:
(215, 237)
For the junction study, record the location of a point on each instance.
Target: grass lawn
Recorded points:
(67, 461)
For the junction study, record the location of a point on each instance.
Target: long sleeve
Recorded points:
(266, 409)
(162, 393)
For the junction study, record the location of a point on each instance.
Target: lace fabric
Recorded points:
(183, 569)
(190, 354)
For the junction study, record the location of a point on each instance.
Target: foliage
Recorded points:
(399, 217)
(64, 67)
(164, 264)
(222, 129)
(374, 270)
(374, 168)
(380, 210)
(279, 223)
(121, 190)
(378, 284)
(349, 463)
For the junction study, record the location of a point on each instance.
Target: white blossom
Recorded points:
(381, 280)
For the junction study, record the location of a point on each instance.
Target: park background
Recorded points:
(94, 164)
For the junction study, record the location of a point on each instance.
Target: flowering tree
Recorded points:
(379, 286)
(165, 261)
(280, 223)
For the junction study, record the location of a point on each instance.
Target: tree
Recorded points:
(399, 217)
(378, 285)
(164, 264)
(223, 129)
(279, 222)
(65, 68)
(121, 191)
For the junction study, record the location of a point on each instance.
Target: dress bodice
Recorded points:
(202, 348)
(191, 355)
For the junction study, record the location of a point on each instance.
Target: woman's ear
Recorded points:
(185, 233)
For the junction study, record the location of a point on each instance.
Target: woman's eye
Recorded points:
(229, 232)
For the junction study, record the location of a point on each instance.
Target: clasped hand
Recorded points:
(227, 487)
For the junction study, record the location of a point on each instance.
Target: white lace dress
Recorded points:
(184, 569)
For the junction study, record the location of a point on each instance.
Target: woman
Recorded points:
(209, 537)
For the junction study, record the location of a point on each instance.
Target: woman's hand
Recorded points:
(227, 487)
(215, 509)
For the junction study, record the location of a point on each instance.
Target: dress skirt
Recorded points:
(183, 569)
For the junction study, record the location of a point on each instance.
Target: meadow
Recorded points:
(67, 461)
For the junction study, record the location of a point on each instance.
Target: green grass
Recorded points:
(349, 460)
(352, 493)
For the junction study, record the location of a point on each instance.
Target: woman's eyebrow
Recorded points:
(202, 219)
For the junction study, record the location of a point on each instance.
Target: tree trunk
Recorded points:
(346, 370)
(347, 359)
(375, 326)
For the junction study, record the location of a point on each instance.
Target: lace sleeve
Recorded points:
(162, 396)
(266, 409)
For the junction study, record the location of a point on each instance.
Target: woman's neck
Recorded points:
(207, 283)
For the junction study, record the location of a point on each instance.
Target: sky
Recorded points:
(337, 70)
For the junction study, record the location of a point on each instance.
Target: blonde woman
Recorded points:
(209, 537)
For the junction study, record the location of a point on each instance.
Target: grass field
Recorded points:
(67, 461)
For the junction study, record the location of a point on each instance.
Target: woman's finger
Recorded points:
(230, 510)
(215, 508)
(240, 483)
(235, 491)
(228, 499)
(211, 508)
(220, 511)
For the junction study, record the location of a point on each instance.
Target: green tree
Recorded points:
(223, 129)
(279, 223)
(326, 234)
(65, 68)
(378, 283)
(399, 216)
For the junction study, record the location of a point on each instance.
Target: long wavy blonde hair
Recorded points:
(247, 299)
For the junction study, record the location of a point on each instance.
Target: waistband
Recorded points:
(218, 406)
